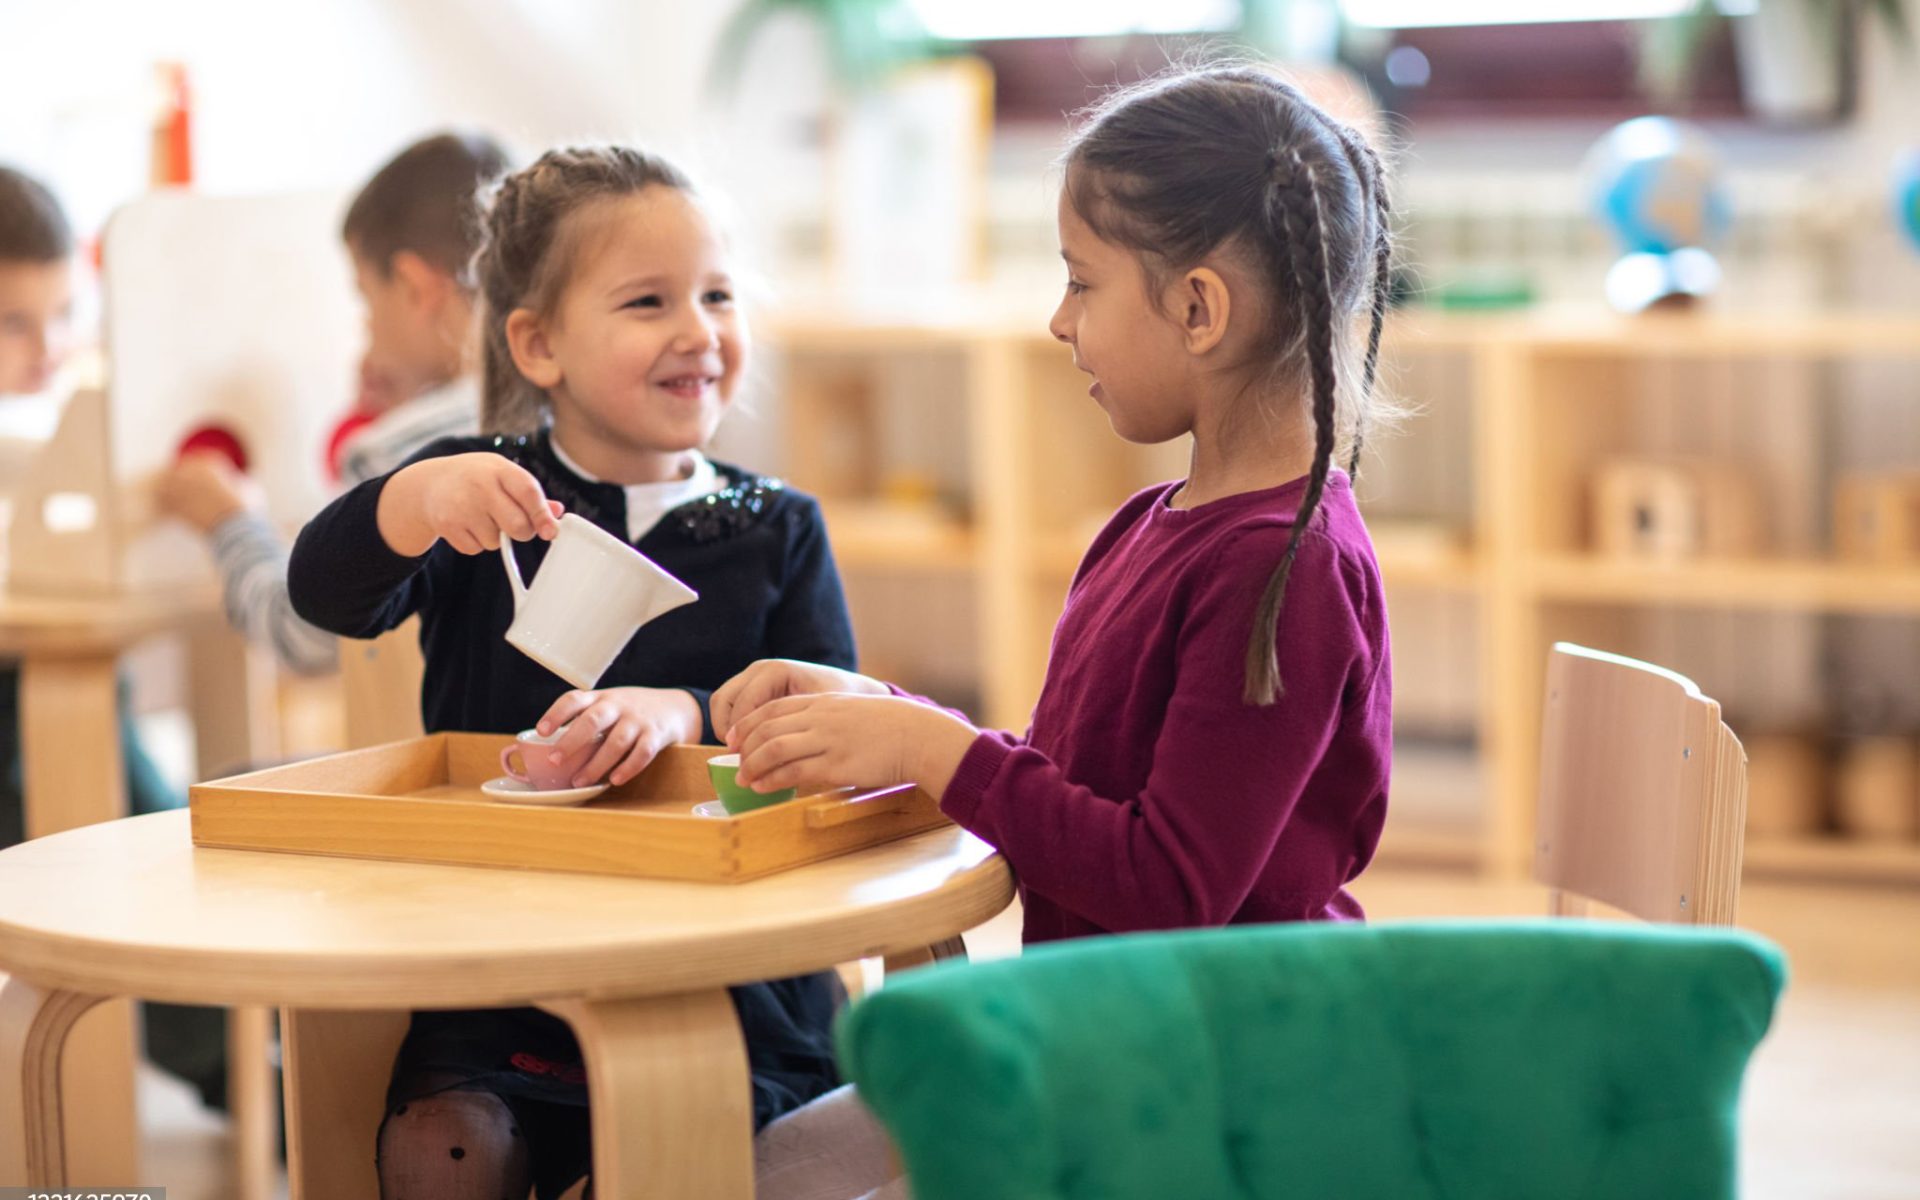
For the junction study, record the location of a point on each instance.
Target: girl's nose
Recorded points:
(1059, 326)
(700, 333)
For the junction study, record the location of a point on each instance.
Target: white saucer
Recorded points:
(711, 808)
(512, 791)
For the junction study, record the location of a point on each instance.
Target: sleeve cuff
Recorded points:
(978, 768)
(704, 698)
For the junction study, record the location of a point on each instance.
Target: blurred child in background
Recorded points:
(411, 234)
(36, 336)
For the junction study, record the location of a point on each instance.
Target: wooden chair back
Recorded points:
(381, 679)
(1643, 792)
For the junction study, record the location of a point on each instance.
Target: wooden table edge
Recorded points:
(300, 979)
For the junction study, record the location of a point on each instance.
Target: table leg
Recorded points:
(70, 743)
(921, 956)
(337, 1065)
(253, 1101)
(34, 1024)
(74, 775)
(672, 1104)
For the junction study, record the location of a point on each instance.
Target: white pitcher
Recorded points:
(592, 594)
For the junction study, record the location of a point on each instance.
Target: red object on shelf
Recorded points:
(214, 439)
(343, 433)
(173, 128)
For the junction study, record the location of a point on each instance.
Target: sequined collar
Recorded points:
(737, 507)
(719, 515)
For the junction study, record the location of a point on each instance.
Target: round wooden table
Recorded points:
(639, 968)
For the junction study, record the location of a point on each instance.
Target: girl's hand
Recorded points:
(631, 724)
(770, 679)
(839, 740)
(471, 501)
(205, 490)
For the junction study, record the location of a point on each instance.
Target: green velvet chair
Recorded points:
(1555, 1060)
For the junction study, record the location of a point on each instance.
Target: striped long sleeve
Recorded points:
(252, 560)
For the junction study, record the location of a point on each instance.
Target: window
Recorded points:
(1415, 14)
(1428, 60)
(1002, 20)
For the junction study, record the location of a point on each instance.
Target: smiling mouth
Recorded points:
(687, 386)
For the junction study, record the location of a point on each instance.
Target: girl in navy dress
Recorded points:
(613, 348)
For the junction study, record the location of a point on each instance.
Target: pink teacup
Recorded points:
(534, 770)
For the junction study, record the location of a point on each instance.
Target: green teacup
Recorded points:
(734, 798)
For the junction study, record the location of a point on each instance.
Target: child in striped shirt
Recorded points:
(411, 233)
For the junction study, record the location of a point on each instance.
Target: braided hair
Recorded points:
(1235, 158)
(532, 235)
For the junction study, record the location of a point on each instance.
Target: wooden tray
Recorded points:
(420, 801)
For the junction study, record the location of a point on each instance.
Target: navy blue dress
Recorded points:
(757, 553)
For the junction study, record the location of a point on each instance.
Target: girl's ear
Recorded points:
(532, 350)
(425, 286)
(1202, 307)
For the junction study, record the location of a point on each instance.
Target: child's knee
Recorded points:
(453, 1144)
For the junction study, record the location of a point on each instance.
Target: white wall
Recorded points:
(316, 94)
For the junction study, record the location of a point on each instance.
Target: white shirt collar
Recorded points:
(648, 502)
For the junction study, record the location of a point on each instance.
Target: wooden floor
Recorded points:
(1832, 1106)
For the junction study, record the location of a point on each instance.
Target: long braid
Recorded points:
(1372, 174)
(1382, 295)
(1296, 199)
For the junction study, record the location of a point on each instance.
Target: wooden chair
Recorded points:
(1643, 792)
(381, 682)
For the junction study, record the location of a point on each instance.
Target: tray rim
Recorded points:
(791, 834)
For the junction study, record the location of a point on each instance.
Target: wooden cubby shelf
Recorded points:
(1801, 585)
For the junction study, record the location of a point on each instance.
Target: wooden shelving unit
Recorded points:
(868, 536)
(1808, 584)
(1545, 404)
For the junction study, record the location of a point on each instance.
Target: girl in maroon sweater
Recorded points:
(1212, 742)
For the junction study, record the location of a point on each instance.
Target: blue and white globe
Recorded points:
(1657, 185)
(1906, 196)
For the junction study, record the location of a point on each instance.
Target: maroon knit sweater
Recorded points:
(1148, 794)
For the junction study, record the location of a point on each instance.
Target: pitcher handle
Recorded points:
(513, 572)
